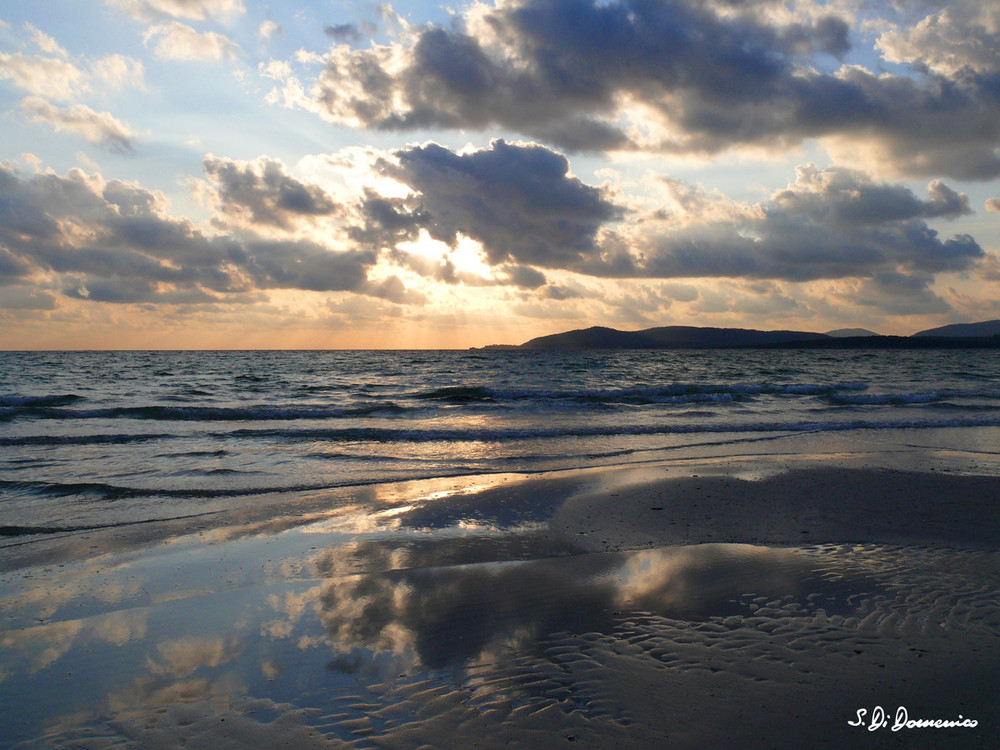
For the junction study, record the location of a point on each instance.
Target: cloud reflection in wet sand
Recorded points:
(450, 615)
(384, 639)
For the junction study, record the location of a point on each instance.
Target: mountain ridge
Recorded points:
(665, 337)
(983, 328)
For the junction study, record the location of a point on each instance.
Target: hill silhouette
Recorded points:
(668, 337)
(985, 328)
(693, 337)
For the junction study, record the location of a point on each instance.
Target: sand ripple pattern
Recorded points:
(866, 622)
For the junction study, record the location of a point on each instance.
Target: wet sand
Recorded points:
(752, 599)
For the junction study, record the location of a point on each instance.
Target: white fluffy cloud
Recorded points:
(267, 30)
(118, 72)
(960, 38)
(177, 41)
(50, 77)
(58, 75)
(99, 128)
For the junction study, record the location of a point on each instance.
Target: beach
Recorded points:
(767, 592)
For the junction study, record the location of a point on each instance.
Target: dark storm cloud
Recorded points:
(115, 243)
(263, 193)
(566, 71)
(519, 201)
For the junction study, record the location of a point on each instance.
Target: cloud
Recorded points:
(195, 10)
(24, 298)
(525, 277)
(519, 201)
(44, 42)
(959, 39)
(510, 215)
(393, 289)
(12, 267)
(900, 294)
(343, 32)
(42, 76)
(849, 198)
(178, 41)
(119, 72)
(267, 30)
(672, 76)
(828, 224)
(993, 205)
(113, 241)
(262, 192)
(57, 76)
(99, 128)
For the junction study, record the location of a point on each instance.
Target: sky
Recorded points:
(202, 174)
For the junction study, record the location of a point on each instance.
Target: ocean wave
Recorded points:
(457, 394)
(481, 435)
(15, 401)
(390, 434)
(536, 400)
(116, 439)
(884, 399)
(252, 413)
(908, 399)
(665, 394)
(108, 492)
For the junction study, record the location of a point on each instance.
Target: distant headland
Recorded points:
(984, 335)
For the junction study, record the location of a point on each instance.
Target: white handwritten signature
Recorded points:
(880, 720)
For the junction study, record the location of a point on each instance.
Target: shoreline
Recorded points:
(708, 480)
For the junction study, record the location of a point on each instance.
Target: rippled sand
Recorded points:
(736, 603)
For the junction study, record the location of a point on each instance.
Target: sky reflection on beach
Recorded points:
(410, 613)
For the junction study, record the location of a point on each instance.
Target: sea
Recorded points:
(97, 439)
